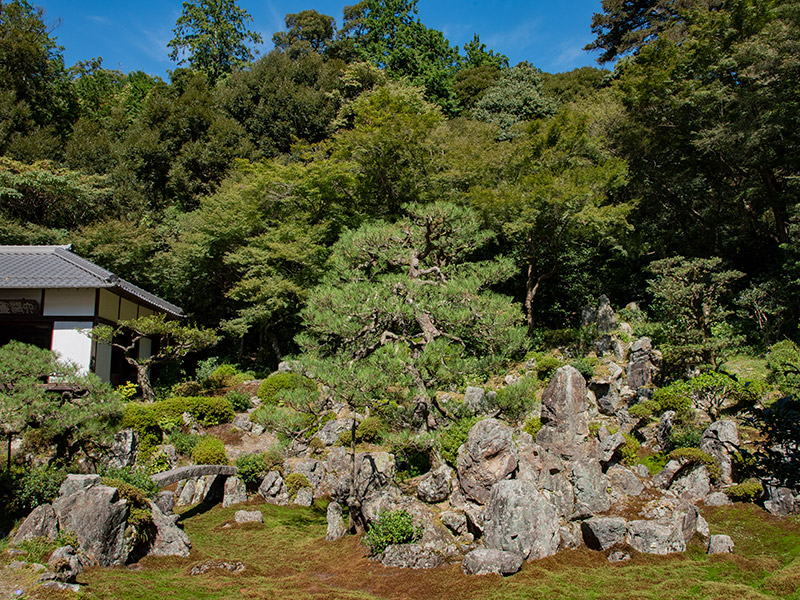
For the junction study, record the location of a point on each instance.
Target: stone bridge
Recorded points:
(177, 474)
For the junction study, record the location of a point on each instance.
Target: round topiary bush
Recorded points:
(209, 450)
(270, 388)
(239, 400)
(749, 490)
(251, 468)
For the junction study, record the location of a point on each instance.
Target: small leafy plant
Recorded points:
(391, 527)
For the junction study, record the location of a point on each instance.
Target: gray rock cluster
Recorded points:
(97, 516)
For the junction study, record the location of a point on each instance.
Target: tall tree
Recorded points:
(626, 26)
(414, 292)
(389, 34)
(36, 101)
(213, 34)
(306, 31)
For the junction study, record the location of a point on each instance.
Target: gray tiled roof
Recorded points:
(48, 267)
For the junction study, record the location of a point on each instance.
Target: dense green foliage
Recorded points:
(209, 450)
(391, 527)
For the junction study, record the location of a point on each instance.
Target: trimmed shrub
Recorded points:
(451, 439)
(370, 430)
(532, 425)
(239, 400)
(209, 450)
(391, 527)
(143, 419)
(273, 457)
(517, 399)
(676, 396)
(749, 490)
(269, 392)
(295, 482)
(252, 468)
(187, 388)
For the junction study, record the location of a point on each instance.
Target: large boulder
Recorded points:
(601, 533)
(624, 482)
(98, 517)
(336, 526)
(780, 500)
(720, 544)
(606, 319)
(170, 540)
(520, 519)
(235, 492)
(655, 537)
(644, 363)
(436, 485)
(42, 522)
(483, 561)
(721, 440)
(591, 488)
(273, 489)
(565, 421)
(692, 483)
(374, 473)
(546, 472)
(489, 456)
(411, 556)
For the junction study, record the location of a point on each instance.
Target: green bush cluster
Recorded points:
(182, 442)
(39, 486)
(783, 366)
(644, 409)
(749, 490)
(295, 482)
(532, 425)
(676, 396)
(240, 401)
(269, 392)
(369, 430)
(517, 399)
(546, 365)
(134, 477)
(412, 452)
(451, 438)
(151, 421)
(209, 450)
(629, 451)
(226, 375)
(391, 527)
(585, 366)
(251, 468)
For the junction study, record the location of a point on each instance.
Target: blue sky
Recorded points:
(134, 35)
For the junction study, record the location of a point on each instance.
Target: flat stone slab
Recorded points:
(190, 472)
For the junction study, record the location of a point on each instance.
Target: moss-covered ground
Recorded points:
(288, 558)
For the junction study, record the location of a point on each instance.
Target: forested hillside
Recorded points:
(670, 179)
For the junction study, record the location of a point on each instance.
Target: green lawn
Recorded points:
(287, 558)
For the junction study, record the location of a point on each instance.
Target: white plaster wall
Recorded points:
(102, 362)
(72, 344)
(69, 302)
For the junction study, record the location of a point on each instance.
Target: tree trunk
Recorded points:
(143, 377)
(356, 524)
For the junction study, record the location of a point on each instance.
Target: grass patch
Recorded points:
(288, 558)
